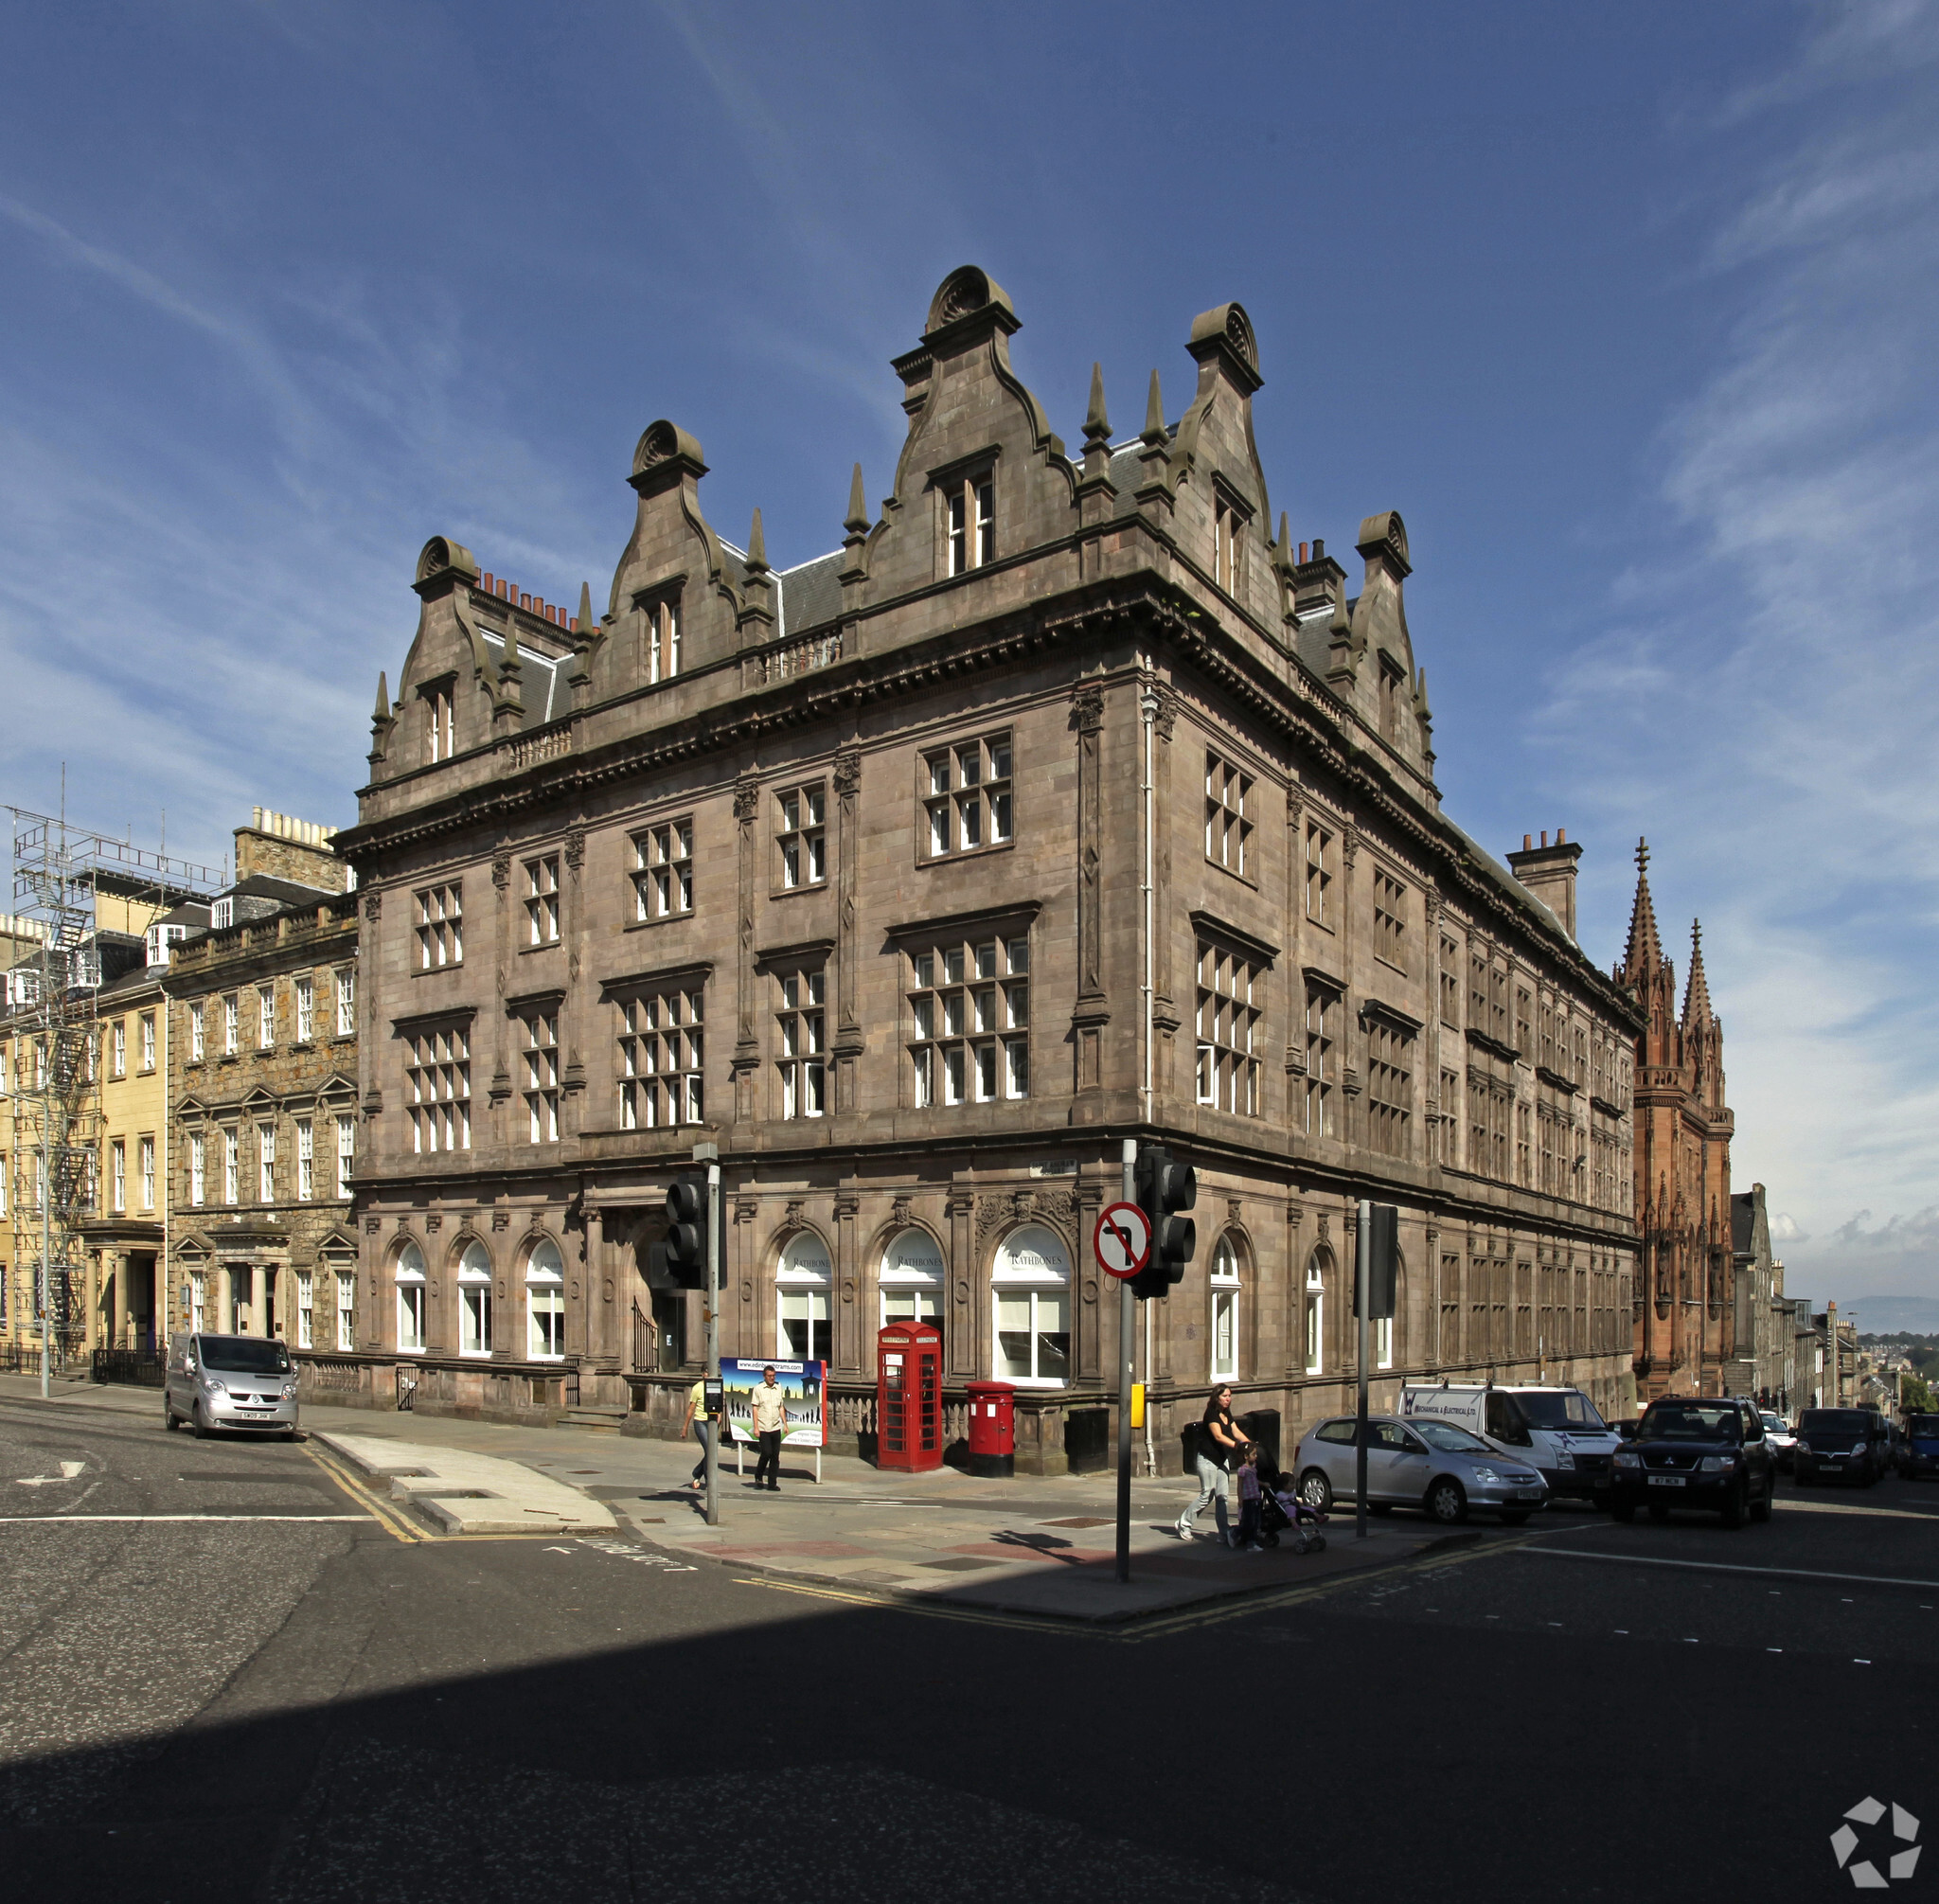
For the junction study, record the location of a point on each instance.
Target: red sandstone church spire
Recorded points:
(1646, 948)
(1698, 1015)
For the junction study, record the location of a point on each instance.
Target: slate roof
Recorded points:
(541, 679)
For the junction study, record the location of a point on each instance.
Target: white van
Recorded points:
(1557, 1429)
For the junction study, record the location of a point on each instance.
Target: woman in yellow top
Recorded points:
(696, 1417)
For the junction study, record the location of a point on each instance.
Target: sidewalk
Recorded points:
(1041, 1545)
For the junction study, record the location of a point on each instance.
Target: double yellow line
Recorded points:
(380, 1510)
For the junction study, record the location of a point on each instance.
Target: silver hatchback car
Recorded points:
(1436, 1465)
(225, 1382)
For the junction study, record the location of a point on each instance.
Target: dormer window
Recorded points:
(221, 916)
(439, 699)
(973, 524)
(663, 641)
(1228, 545)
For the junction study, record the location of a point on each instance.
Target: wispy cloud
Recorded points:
(1767, 705)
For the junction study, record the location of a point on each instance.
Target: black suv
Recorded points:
(1696, 1452)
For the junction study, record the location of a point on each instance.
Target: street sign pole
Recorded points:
(1363, 1259)
(1127, 1348)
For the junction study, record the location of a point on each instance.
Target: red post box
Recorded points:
(909, 1397)
(992, 1430)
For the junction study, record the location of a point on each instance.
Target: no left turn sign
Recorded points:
(1122, 1240)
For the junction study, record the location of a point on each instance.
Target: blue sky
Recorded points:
(1628, 311)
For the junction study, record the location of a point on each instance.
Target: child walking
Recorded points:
(1248, 1501)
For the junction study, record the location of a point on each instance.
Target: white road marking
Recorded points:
(1728, 1567)
(95, 1519)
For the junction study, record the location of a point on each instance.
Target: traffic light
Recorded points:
(1383, 1261)
(1163, 1189)
(683, 1258)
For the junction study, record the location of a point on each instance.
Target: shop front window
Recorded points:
(410, 1288)
(801, 1299)
(475, 1301)
(912, 1279)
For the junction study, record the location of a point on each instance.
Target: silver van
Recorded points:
(218, 1382)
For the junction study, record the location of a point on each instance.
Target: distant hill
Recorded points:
(1888, 1315)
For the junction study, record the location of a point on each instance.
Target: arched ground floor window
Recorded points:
(409, 1277)
(801, 1299)
(1030, 1289)
(912, 1279)
(545, 1302)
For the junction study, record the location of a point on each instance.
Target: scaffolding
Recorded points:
(60, 873)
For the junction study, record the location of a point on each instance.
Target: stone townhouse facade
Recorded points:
(1067, 801)
(262, 1047)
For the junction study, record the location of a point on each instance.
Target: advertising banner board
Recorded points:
(801, 1383)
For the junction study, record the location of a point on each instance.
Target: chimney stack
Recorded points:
(1548, 873)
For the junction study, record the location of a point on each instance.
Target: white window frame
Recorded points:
(118, 1038)
(541, 900)
(475, 1301)
(266, 1016)
(910, 1289)
(969, 524)
(346, 1001)
(306, 1160)
(198, 1048)
(1383, 1341)
(306, 1309)
(804, 1284)
(408, 1280)
(198, 1300)
(1313, 1315)
(1224, 1283)
(801, 1039)
(545, 1303)
(232, 1164)
(232, 1013)
(662, 870)
(968, 792)
(265, 1162)
(148, 1041)
(1038, 1286)
(197, 1169)
(306, 1009)
(145, 1170)
(347, 1152)
(801, 838)
(117, 1175)
(347, 1310)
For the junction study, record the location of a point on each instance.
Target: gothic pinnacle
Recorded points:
(1096, 424)
(381, 711)
(1154, 431)
(585, 611)
(858, 522)
(757, 548)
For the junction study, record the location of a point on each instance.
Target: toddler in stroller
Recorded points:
(1281, 1510)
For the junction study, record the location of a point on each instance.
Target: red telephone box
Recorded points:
(909, 1397)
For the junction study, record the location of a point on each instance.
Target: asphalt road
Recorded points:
(240, 1681)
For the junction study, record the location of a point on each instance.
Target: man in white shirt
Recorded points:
(769, 1421)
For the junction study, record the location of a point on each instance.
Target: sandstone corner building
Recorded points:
(1066, 800)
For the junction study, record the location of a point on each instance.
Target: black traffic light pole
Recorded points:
(1127, 1348)
(707, 1153)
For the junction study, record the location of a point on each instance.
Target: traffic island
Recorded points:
(454, 1491)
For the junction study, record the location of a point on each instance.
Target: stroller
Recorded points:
(1282, 1510)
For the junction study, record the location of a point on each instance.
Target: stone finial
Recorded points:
(1096, 424)
(858, 522)
(585, 630)
(757, 548)
(381, 711)
(1154, 433)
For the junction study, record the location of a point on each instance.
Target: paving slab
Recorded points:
(459, 1492)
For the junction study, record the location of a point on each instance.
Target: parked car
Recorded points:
(1839, 1444)
(1782, 1442)
(1551, 1427)
(1427, 1463)
(229, 1381)
(1626, 1428)
(1919, 1451)
(1696, 1452)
